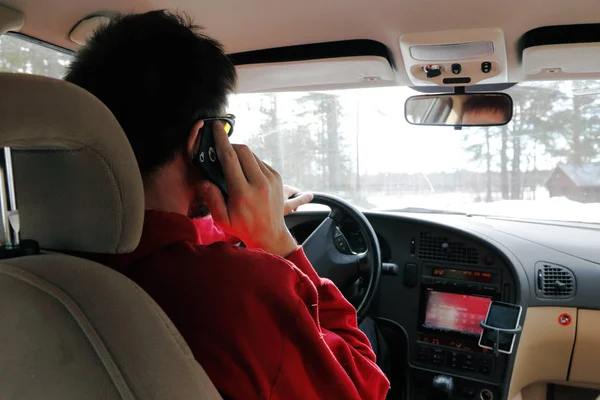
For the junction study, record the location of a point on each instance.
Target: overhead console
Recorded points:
(455, 57)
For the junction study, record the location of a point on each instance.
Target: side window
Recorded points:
(20, 55)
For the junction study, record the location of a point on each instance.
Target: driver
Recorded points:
(259, 320)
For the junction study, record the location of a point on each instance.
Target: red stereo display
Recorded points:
(455, 312)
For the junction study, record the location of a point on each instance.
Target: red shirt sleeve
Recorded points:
(260, 327)
(337, 319)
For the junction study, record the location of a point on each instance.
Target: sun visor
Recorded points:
(10, 19)
(455, 58)
(562, 52)
(340, 73)
(576, 58)
(86, 27)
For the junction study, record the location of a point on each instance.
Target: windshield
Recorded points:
(357, 145)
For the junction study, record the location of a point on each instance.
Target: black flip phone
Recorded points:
(206, 159)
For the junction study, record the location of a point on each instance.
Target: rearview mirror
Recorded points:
(469, 109)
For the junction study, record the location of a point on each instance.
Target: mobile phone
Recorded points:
(504, 316)
(206, 159)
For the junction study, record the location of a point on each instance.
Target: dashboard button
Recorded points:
(438, 356)
(486, 67)
(411, 275)
(422, 357)
(457, 285)
(490, 288)
(486, 365)
(342, 245)
(437, 360)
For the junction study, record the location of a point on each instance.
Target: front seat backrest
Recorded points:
(71, 328)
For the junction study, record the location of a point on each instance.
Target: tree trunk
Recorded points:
(488, 197)
(575, 156)
(515, 178)
(333, 156)
(504, 163)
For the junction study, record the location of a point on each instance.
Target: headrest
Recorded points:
(78, 186)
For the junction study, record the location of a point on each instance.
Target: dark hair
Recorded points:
(478, 103)
(158, 76)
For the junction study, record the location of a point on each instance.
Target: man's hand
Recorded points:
(292, 204)
(255, 208)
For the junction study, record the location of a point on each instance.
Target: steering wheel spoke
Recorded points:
(363, 261)
(327, 260)
(331, 256)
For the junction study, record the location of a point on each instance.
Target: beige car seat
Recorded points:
(71, 328)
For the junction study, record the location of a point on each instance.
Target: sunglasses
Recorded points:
(228, 122)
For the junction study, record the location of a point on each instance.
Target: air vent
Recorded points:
(441, 248)
(554, 281)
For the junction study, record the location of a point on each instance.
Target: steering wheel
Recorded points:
(331, 256)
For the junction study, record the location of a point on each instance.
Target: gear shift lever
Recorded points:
(444, 383)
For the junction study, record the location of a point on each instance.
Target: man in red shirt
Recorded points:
(259, 320)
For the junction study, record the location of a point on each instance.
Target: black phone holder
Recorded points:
(498, 331)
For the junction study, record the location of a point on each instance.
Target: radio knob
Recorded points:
(486, 394)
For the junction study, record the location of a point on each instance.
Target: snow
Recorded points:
(544, 207)
(555, 208)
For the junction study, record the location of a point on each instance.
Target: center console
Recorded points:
(453, 302)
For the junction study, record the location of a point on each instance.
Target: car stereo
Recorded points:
(454, 301)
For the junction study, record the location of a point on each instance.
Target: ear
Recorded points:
(193, 139)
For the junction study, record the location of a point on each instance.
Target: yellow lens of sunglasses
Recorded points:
(227, 127)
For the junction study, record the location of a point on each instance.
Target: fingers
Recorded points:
(293, 204)
(249, 163)
(289, 191)
(263, 167)
(271, 169)
(232, 169)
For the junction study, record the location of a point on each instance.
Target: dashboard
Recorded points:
(448, 268)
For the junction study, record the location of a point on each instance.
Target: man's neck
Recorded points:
(167, 191)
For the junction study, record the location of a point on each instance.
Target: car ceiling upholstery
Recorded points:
(258, 24)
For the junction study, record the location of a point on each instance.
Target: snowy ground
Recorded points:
(555, 208)
(543, 207)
